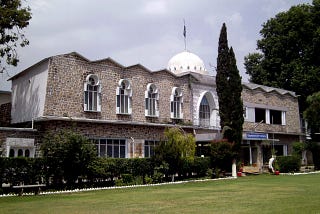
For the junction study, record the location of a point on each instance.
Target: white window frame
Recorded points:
(283, 117)
(151, 101)
(92, 94)
(124, 97)
(176, 103)
(149, 147)
(110, 144)
(204, 110)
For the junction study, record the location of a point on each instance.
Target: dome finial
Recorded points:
(186, 62)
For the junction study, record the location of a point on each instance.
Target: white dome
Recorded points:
(186, 61)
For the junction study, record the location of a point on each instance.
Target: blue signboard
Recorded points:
(255, 135)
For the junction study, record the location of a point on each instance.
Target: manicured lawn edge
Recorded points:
(115, 187)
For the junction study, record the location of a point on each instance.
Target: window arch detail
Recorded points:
(124, 97)
(92, 94)
(207, 113)
(176, 103)
(204, 112)
(151, 101)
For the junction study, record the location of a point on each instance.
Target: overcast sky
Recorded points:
(148, 32)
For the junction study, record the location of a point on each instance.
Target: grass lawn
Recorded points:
(251, 194)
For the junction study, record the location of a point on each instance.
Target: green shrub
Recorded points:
(201, 166)
(157, 177)
(127, 179)
(288, 163)
(210, 174)
(148, 180)
(222, 154)
(119, 182)
(22, 170)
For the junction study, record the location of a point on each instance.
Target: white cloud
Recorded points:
(155, 7)
(143, 31)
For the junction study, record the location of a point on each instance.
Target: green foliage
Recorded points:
(229, 90)
(68, 156)
(254, 69)
(183, 143)
(298, 147)
(110, 168)
(177, 146)
(21, 170)
(223, 65)
(13, 19)
(290, 56)
(289, 163)
(312, 114)
(222, 155)
(201, 166)
(314, 147)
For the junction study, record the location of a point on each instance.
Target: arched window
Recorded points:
(27, 153)
(176, 101)
(204, 112)
(124, 96)
(20, 153)
(151, 98)
(11, 153)
(92, 94)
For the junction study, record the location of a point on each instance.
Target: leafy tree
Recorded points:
(290, 54)
(13, 18)
(312, 113)
(222, 154)
(177, 146)
(229, 90)
(252, 63)
(68, 156)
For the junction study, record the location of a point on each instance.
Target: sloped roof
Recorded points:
(268, 89)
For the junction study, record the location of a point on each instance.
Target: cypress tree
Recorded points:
(235, 103)
(222, 77)
(229, 88)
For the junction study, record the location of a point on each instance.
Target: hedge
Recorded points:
(288, 163)
(101, 172)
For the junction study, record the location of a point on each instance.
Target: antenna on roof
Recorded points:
(185, 35)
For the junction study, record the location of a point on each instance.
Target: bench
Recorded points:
(35, 187)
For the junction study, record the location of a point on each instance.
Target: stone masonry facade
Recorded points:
(67, 75)
(274, 99)
(5, 114)
(64, 103)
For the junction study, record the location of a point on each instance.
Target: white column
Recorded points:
(234, 169)
(250, 153)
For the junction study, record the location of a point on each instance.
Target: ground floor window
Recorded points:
(278, 149)
(149, 146)
(249, 154)
(20, 147)
(112, 148)
(19, 152)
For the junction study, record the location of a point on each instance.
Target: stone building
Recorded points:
(126, 109)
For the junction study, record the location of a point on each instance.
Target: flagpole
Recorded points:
(185, 35)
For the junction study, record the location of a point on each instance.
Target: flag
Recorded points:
(184, 31)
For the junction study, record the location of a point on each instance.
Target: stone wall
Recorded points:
(5, 114)
(65, 90)
(106, 130)
(273, 99)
